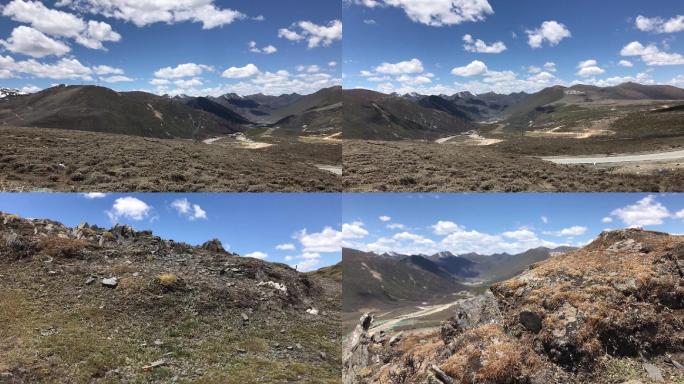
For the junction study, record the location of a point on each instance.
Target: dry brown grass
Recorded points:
(167, 280)
(62, 248)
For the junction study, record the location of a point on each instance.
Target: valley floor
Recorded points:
(418, 166)
(65, 160)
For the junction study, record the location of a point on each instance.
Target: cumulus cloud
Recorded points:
(402, 67)
(116, 79)
(146, 12)
(545, 219)
(354, 230)
(651, 54)
(32, 42)
(62, 69)
(659, 25)
(188, 210)
(182, 70)
(479, 46)
(437, 13)
(384, 218)
(129, 208)
(286, 247)
(327, 241)
(589, 68)
(94, 195)
(647, 211)
(315, 35)
(257, 255)
(575, 230)
(625, 63)
(248, 70)
(607, 220)
(61, 24)
(269, 49)
(475, 68)
(107, 70)
(550, 31)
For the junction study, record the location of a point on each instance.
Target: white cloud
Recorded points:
(353, 230)
(533, 69)
(257, 255)
(248, 70)
(63, 69)
(269, 49)
(651, 55)
(94, 195)
(96, 33)
(326, 241)
(550, 66)
(286, 247)
(658, 25)
(575, 230)
(445, 227)
(146, 12)
(306, 261)
(190, 211)
(384, 218)
(646, 211)
(30, 89)
(61, 24)
(607, 220)
(129, 208)
(369, 21)
(550, 31)
(107, 70)
(545, 219)
(402, 67)
(479, 46)
(589, 68)
(315, 35)
(395, 226)
(116, 79)
(34, 43)
(437, 13)
(332, 64)
(182, 70)
(625, 63)
(475, 68)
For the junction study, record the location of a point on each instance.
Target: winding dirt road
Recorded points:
(602, 159)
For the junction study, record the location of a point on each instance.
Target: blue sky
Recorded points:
(296, 45)
(584, 41)
(297, 229)
(491, 223)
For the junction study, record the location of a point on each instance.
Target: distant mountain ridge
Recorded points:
(373, 115)
(393, 279)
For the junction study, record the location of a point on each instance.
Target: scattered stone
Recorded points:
(111, 282)
(240, 350)
(440, 375)
(90, 280)
(213, 245)
(299, 346)
(395, 339)
(6, 375)
(653, 372)
(154, 364)
(532, 321)
(245, 318)
(323, 355)
(158, 343)
(312, 311)
(289, 347)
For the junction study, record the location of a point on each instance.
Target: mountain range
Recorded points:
(372, 115)
(393, 279)
(94, 108)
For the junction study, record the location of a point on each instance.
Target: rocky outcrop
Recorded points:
(562, 321)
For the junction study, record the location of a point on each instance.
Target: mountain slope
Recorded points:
(373, 280)
(119, 305)
(207, 105)
(375, 116)
(99, 109)
(611, 312)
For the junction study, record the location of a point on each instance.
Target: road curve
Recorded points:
(604, 159)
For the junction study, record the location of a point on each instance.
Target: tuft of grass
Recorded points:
(167, 280)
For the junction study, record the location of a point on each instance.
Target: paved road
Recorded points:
(600, 159)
